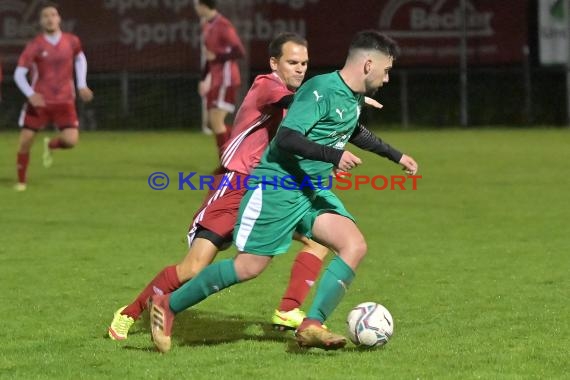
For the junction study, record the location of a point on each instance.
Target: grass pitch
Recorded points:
(473, 265)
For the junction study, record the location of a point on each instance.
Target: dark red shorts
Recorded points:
(222, 97)
(219, 210)
(61, 115)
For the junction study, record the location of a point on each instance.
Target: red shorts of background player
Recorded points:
(61, 115)
(219, 210)
(222, 97)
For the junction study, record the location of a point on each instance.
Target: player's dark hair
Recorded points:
(276, 45)
(374, 40)
(209, 3)
(46, 5)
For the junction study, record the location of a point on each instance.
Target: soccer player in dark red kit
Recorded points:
(220, 78)
(50, 59)
(211, 231)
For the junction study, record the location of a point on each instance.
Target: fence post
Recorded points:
(125, 93)
(463, 65)
(567, 15)
(527, 86)
(404, 99)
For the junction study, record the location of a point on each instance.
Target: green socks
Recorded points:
(334, 283)
(212, 279)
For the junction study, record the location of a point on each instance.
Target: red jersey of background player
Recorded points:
(51, 67)
(256, 123)
(221, 38)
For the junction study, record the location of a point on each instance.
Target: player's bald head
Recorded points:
(368, 41)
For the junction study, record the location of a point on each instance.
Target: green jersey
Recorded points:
(326, 111)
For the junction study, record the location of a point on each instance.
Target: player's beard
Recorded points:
(370, 90)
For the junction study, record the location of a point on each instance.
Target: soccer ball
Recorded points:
(370, 325)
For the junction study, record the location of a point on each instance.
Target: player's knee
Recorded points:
(357, 249)
(69, 143)
(248, 269)
(248, 273)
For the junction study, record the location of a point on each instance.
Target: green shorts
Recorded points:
(267, 218)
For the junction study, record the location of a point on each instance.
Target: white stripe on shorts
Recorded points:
(248, 218)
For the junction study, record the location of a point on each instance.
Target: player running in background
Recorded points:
(309, 144)
(220, 77)
(211, 231)
(207, 81)
(50, 59)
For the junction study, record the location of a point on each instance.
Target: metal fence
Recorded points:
(514, 96)
(460, 93)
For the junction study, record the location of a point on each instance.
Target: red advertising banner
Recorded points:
(163, 35)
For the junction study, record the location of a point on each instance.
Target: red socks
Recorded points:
(166, 281)
(304, 272)
(22, 165)
(57, 143)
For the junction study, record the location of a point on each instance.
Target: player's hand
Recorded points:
(37, 100)
(410, 166)
(86, 94)
(203, 87)
(336, 172)
(348, 161)
(210, 56)
(373, 103)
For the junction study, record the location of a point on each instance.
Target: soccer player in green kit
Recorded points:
(289, 193)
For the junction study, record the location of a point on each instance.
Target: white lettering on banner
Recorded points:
(447, 51)
(123, 6)
(293, 4)
(259, 28)
(262, 29)
(140, 35)
(429, 21)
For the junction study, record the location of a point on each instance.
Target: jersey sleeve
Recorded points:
(76, 45)
(269, 93)
(28, 56)
(308, 107)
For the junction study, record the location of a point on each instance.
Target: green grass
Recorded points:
(473, 265)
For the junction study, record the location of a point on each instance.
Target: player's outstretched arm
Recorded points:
(296, 143)
(366, 140)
